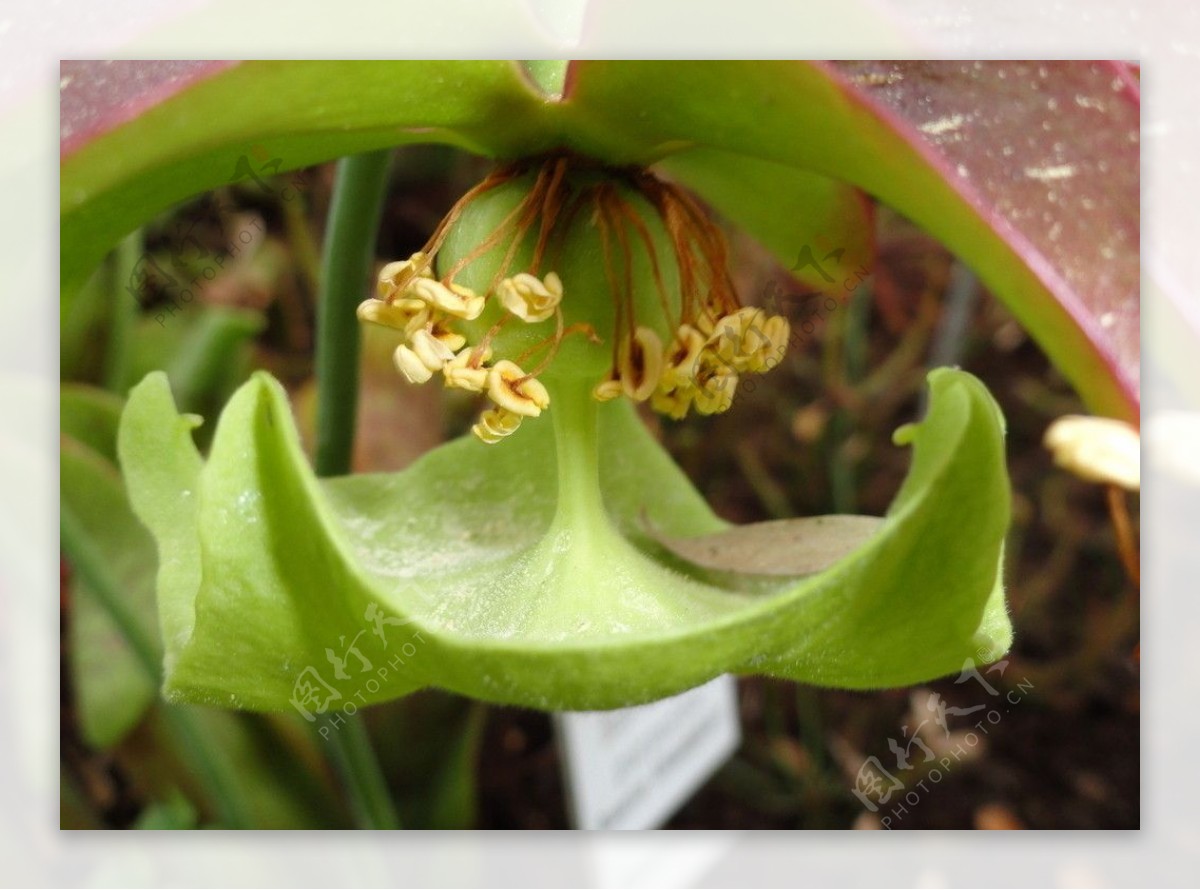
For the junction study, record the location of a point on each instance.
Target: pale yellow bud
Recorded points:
(1098, 449)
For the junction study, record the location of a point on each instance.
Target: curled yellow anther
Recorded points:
(441, 331)
(640, 364)
(454, 299)
(608, 388)
(716, 382)
(512, 389)
(739, 338)
(394, 278)
(673, 402)
(410, 365)
(432, 352)
(778, 331)
(399, 315)
(679, 362)
(495, 424)
(529, 298)
(459, 373)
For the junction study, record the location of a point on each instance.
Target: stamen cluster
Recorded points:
(713, 340)
(409, 299)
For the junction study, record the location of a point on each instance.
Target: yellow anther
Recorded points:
(778, 332)
(459, 373)
(716, 382)
(395, 277)
(705, 322)
(410, 365)
(529, 298)
(640, 364)
(432, 352)
(738, 338)
(441, 331)
(608, 388)
(495, 424)
(399, 315)
(679, 363)
(512, 389)
(673, 402)
(455, 300)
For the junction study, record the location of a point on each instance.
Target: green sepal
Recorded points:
(486, 582)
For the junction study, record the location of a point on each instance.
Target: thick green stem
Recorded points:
(574, 413)
(86, 559)
(349, 252)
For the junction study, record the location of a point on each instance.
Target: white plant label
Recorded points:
(632, 768)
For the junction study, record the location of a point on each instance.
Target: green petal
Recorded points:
(512, 592)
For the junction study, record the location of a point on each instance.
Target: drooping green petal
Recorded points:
(521, 573)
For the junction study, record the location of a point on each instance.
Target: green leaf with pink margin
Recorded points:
(1028, 172)
(139, 136)
(162, 134)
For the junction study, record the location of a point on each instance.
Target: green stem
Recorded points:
(295, 221)
(575, 417)
(87, 560)
(851, 336)
(124, 316)
(349, 253)
(356, 760)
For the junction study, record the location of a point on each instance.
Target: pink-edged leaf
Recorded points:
(97, 96)
(159, 135)
(1029, 172)
(1049, 154)
(1073, 287)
